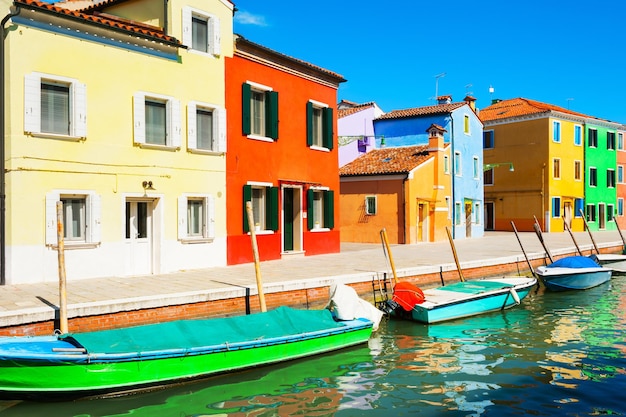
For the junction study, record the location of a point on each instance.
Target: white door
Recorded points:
(139, 237)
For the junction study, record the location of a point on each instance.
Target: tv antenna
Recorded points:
(437, 77)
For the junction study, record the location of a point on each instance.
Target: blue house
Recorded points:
(464, 132)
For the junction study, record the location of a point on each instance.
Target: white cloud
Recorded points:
(246, 18)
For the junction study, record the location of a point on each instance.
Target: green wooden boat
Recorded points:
(114, 361)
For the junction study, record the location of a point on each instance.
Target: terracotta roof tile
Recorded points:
(387, 161)
(517, 107)
(357, 108)
(108, 20)
(422, 111)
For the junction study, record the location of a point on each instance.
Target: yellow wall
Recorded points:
(107, 161)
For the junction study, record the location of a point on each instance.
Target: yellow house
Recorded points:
(115, 110)
(406, 190)
(534, 165)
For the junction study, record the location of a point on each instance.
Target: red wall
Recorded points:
(288, 158)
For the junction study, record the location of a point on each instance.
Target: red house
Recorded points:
(282, 155)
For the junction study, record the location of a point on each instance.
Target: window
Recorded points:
(476, 168)
(448, 206)
(319, 125)
(610, 212)
(591, 213)
(320, 209)
(578, 135)
(556, 207)
(259, 111)
(593, 177)
(579, 206)
(620, 206)
(488, 177)
(578, 170)
(620, 174)
(488, 142)
(81, 217)
(593, 138)
(446, 164)
(476, 213)
(201, 31)
(620, 141)
(610, 178)
(264, 199)
(196, 217)
(556, 132)
(457, 213)
(54, 106)
(370, 205)
(466, 124)
(457, 164)
(156, 120)
(556, 168)
(206, 127)
(610, 140)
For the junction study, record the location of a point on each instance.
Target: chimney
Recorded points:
(435, 146)
(444, 99)
(471, 101)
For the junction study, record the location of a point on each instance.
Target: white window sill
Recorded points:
(158, 147)
(261, 138)
(202, 53)
(56, 136)
(320, 229)
(194, 240)
(204, 151)
(319, 148)
(76, 245)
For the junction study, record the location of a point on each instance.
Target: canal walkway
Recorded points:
(356, 263)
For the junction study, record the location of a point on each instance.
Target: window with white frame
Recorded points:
(466, 124)
(449, 206)
(620, 174)
(476, 168)
(591, 213)
(476, 213)
(556, 131)
(319, 120)
(264, 200)
(556, 207)
(157, 120)
(206, 127)
(488, 177)
(370, 205)
(457, 164)
(578, 135)
(457, 214)
(556, 168)
(81, 217)
(578, 170)
(320, 208)
(620, 206)
(446, 164)
(593, 177)
(620, 141)
(488, 139)
(610, 212)
(610, 141)
(592, 138)
(196, 217)
(201, 31)
(610, 178)
(259, 111)
(54, 106)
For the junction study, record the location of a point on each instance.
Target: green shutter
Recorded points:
(329, 209)
(309, 123)
(246, 124)
(271, 208)
(247, 196)
(327, 122)
(271, 114)
(310, 217)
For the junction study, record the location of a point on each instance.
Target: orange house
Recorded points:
(406, 190)
(282, 155)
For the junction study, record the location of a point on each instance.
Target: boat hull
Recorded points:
(443, 304)
(58, 369)
(563, 279)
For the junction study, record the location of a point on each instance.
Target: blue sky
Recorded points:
(566, 53)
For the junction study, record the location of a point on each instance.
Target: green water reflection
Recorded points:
(556, 354)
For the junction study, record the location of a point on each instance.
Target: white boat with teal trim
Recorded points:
(573, 273)
(461, 299)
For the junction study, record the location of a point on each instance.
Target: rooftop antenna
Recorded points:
(568, 102)
(467, 89)
(437, 77)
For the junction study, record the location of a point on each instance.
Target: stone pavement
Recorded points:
(30, 303)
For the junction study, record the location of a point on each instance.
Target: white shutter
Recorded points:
(210, 220)
(51, 218)
(192, 136)
(80, 110)
(220, 129)
(182, 218)
(175, 123)
(215, 39)
(94, 219)
(32, 103)
(187, 31)
(139, 118)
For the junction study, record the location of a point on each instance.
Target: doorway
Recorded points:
(292, 219)
(138, 237)
(602, 216)
(567, 213)
(468, 219)
(422, 222)
(490, 221)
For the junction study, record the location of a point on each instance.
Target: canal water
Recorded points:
(558, 354)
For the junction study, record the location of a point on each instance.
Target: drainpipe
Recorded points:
(453, 175)
(14, 12)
